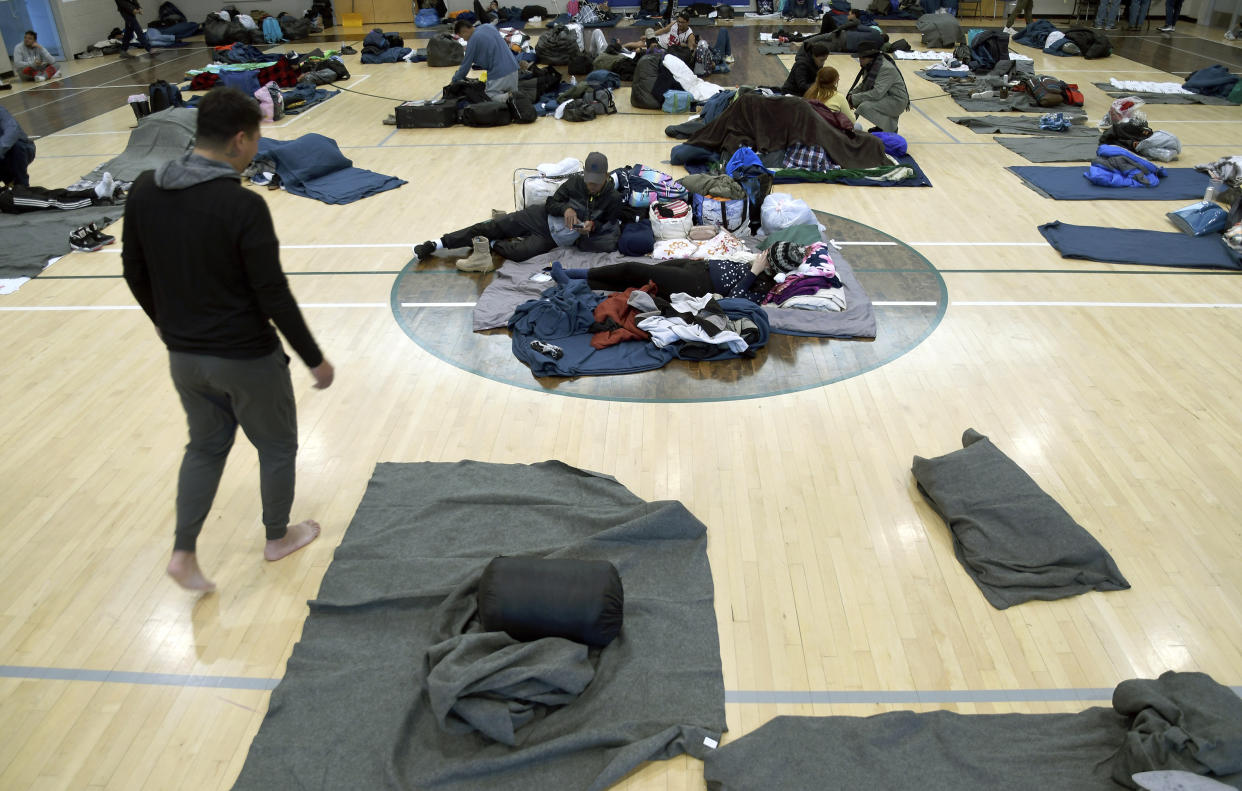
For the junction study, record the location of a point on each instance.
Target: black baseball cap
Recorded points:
(596, 170)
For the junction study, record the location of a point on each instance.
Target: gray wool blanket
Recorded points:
(160, 137)
(1022, 125)
(1051, 149)
(30, 239)
(394, 686)
(1015, 541)
(1182, 721)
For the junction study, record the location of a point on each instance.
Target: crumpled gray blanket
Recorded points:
(160, 137)
(1022, 125)
(494, 684)
(1015, 541)
(1097, 749)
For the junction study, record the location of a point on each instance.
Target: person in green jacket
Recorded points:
(879, 91)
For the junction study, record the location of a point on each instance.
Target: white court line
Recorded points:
(438, 304)
(978, 244)
(86, 134)
(1036, 304)
(135, 307)
(905, 304)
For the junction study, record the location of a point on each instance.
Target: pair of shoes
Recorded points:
(1009, 30)
(40, 78)
(480, 258)
(1167, 29)
(89, 238)
(424, 250)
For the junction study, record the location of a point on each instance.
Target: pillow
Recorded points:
(532, 598)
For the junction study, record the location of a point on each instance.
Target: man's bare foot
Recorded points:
(184, 569)
(299, 535)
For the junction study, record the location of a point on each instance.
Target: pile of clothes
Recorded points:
(813, 285)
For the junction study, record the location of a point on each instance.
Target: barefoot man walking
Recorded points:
(202, 259)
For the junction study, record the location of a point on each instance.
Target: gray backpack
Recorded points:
(444, 50)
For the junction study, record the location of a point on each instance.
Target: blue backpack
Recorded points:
(426, 17)
(271, 31)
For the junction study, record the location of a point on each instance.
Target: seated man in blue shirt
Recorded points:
(486, 49)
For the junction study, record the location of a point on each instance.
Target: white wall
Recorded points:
(83, 22)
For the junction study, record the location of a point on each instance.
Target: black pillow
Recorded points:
(532, 598)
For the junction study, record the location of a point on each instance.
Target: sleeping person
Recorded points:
(755, 281)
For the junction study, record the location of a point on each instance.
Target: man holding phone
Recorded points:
(584, 212)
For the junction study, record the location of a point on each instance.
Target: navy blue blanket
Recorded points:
(314, 167)
(1138, 246)
(1068, 183)
(561, 318)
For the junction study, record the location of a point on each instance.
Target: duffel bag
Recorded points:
(677, 101)
(487, 114)
(444, 50)
(522, 109)
(720, 212)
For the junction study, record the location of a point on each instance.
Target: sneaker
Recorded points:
(729, 59)
(40, 78)
(348, 50)
(84, 241)
(1231, 36)
(1012, 31)
(102, 238)
(424, 250)
(55, 75)
(1167, 29)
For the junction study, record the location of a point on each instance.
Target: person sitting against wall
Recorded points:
(807, 63)
(879, 92)
(824, 90)
(584, 212)
(486, 49)
(677, 33)
(32, 61)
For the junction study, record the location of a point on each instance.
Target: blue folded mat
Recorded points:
(1068, 183)
(314, 167)
(1138, 246)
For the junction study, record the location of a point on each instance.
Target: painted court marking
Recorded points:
(967, 304)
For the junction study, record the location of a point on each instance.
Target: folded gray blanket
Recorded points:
(1014, 540)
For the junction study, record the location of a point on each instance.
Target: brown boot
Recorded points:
(480, 260)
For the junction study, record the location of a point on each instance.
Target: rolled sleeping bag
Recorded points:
(531, 598)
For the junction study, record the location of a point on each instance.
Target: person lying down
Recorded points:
(784, 275)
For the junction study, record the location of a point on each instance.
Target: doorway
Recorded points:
(18, 16)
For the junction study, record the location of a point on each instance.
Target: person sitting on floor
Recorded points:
(824, 90)
(584, 212)
(677, 33)
(879, 91)
(486, 49)
(32, 61)
(807, 63)
(698, 278)
(17, 151)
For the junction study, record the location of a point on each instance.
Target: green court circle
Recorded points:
(888, 269)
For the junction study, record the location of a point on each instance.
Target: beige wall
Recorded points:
(5, 63)
(83, 22)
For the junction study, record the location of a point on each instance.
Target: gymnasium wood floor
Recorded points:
(833, 576)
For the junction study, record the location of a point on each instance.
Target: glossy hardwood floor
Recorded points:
(1114, 386)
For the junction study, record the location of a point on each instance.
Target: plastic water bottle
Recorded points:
(1214, 188)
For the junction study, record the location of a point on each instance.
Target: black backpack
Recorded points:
(580, 110)
(547, 78)
(164, 95)
(487, 114)
(469, 91)
(443, 50)
(534, 11)
(522, 109)
(394, 39)
(603, 98)
(579, 65)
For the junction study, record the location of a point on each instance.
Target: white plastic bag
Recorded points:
(781, 211)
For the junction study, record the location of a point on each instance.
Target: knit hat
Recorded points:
(785, 257)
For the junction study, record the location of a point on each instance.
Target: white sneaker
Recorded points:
(40, 78)
(1231, 36)
(56, 75)
(1009, 30)
(1166, 29)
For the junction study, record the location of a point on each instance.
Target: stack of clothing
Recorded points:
(814, 285)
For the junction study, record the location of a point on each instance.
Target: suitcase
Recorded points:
(426, 115)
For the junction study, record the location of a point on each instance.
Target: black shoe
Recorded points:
(102, 238)
(84, 241)
(555, 352)
(424, 250)
(348, 50)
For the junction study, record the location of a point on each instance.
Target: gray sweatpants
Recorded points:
(219, 394)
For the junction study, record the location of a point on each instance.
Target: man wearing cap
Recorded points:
(879, 91)
(585, 212)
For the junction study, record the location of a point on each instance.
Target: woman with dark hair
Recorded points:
(697, 278)
(824, 90)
